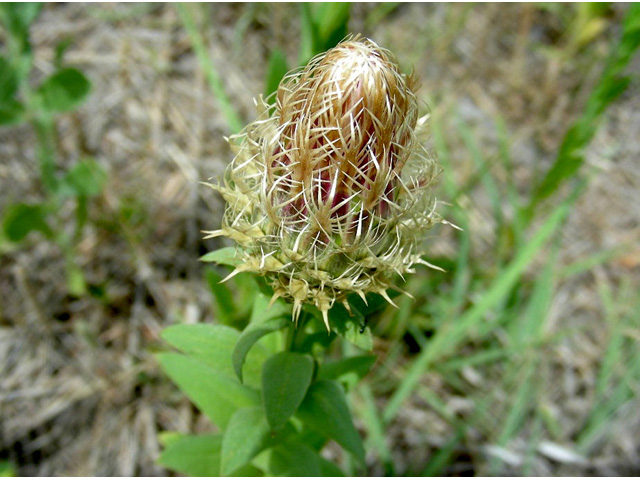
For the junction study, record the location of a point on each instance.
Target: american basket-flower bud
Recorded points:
(329, 192)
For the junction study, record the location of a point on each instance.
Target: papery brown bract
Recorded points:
(329, 192)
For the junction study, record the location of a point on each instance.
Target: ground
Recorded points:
(80, 390)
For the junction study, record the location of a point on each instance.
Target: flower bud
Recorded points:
(329, 191)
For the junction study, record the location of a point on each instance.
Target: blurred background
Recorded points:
(521, 359)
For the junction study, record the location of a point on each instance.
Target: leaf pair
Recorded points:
(208, 372)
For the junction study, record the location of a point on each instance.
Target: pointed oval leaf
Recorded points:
(325, 409)
(277, 68)
(64, 90)
(226, 311)
(294, 461)
(196, 456)
(214, 346)
(85, 179)
(22, 218)
(329, 469)
(286, 376)
(351, 326)
(210, 344)
(216, 394)
(18, 16)
(8, 81)
(244, 437)
(11, 112)
(349, 370)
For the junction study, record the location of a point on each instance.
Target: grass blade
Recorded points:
(215, 82)
(610, 87)
(454, 332)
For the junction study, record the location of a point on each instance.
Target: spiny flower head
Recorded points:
(329, 192)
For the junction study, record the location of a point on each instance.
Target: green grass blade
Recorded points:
(447, 338)
(379, 13)
(612, 84)
(215, 82)
(443, 456)
(599, 258)
(371, 418)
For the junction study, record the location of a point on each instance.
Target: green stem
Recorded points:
(45, 135)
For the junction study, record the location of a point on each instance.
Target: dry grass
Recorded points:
(80, 392)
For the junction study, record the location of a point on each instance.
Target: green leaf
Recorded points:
(315, 340)
(276, 70)
(209, 344)
(61, 48)
(294, 460)
(64, 90)
(285, 379)
(8, 81)
(449, 336)
(6, 469)
(22, 218)
(215, 346)
(201, 51)
(215, 393)
(86, 179)
(329, 469)
(222, 256)
(243, 438)
(351, 326)
(11, 112)
(261, 311)
(308, 34)
(167, 438)
(249, 337)
(611, 85)
(76, 282)
(350, 370)
(225, 306)
(196, 456)
(325, 409)
(17, 17)
(332, 23)
(375, 303)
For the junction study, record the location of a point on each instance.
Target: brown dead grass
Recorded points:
(80, 392)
